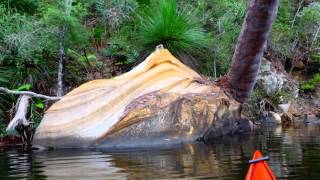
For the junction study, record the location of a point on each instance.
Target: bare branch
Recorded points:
(296, 14)
(315, 36)
(29, 93)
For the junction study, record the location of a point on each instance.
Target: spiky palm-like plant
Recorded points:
(162, 22)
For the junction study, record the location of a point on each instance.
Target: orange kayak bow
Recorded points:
(259, 168)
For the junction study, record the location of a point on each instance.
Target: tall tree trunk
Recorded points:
(62, 54)
(62, 61)
(250, 47)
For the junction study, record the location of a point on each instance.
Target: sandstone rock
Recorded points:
(161, 101)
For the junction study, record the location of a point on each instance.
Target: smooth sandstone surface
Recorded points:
(161, 101)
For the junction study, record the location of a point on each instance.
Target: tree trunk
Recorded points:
(62, 61)
(62, 55)
(250, 47)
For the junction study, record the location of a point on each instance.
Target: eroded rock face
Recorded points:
(161, 101)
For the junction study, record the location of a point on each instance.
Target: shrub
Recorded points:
(310, 85)
(295, 35)
(115, 13)
(162, 22)
(308, 28)
(24, 6)
(227, 17)
(122, 44)
(23, 44)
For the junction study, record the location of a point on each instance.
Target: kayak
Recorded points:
(259, 168)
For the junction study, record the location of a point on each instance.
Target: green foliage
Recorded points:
(295, 35)
(162, 22)
(309, 20)
(23, 46)
(143, 2)
(2, 128)
(116, 22)
(25, 6)
(308, 28)
(121, 45)
(112, 14)
(310, 85)
(29, 44)
(38, 103)
(24, 87)
(20, 37)
(307, 87)
(259, 101)
(225, 21)
(82, 59)
(282, 36)
(285, 12)
(75, 33)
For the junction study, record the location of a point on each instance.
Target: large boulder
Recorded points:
(161, 101)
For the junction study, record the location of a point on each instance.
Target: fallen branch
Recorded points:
(29, 93)
(20, 123)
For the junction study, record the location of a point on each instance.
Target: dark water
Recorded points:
(294, 154)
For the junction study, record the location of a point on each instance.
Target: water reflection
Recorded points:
(293, 155)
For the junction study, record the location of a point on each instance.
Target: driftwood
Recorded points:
(20, 123)
(21, 111)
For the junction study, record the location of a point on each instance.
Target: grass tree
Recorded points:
(162, 22)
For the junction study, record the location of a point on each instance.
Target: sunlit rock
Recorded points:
(161, 101)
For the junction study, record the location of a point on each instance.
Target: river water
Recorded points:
(294, 154)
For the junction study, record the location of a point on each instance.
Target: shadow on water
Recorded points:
(293, 154)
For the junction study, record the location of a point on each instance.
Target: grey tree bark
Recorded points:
(21, 111)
